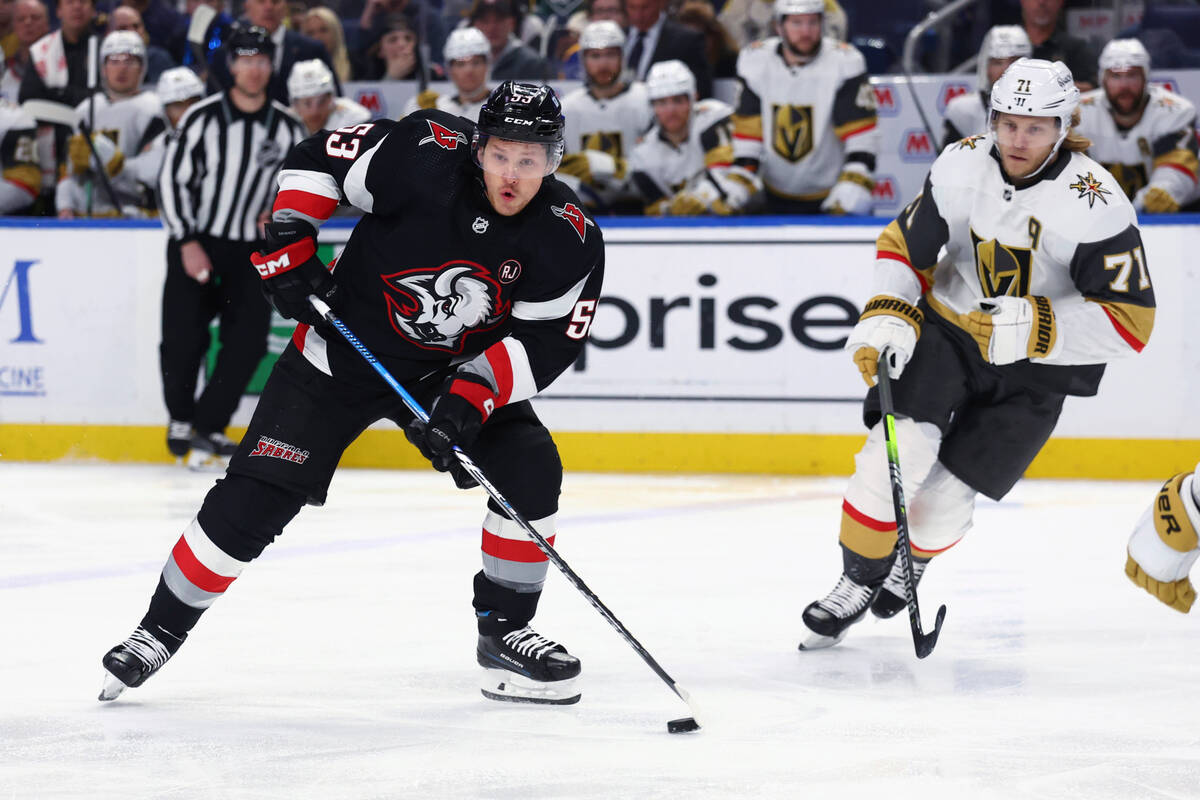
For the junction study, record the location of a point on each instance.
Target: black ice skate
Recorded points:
(523, 667)
(828, 619)
(179, 437)
(134, 660)
(211, 452)
(890, 601)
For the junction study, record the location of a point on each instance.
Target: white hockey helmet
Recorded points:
(466, 43)
(601, 35)
(123, 43)
(1034, 87)
(786, 7)
(309, 79)
(1002, 41)
(178, 84)
(1121, 54)
(670, 78)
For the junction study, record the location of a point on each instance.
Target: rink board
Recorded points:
(717, 347)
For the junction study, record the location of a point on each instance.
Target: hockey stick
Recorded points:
(922, 642)
(101, 173)
(674, 726)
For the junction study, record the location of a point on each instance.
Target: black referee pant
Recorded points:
(232, 293)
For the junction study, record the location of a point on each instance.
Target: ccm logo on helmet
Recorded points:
(518, 121)
(443, 137)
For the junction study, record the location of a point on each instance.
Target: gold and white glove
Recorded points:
(1010, 329)
(1164, 546)
(594, 167)
(79, 155)
(852, 192)
(1155, 200)
(886, 322)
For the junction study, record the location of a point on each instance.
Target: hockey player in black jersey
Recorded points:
(473, 277)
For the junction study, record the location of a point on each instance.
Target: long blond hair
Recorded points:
(1076, 142)
(339, 58)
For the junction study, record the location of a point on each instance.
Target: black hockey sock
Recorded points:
(170, 613)
(867, 571)
(499, 609)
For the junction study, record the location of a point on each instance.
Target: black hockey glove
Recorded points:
(457, 415)
(291, 271)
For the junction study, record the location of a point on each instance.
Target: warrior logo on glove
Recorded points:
(440, 307)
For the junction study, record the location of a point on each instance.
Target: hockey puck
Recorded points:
(683, 725)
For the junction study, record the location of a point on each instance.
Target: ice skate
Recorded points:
(890, 601)
(211, 452)
(523, 667)
(134, 660)
(179, 438)
(828, 619)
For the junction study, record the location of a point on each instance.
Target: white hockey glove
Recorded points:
(1155, 200)
(1010, 329)
(1163, 546)
(886, 322)
(79, 155)
(594, 167)
(852, 192)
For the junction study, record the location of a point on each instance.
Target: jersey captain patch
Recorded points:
(571, 213)
(440, 307)
(1090, 187)
(443, 137)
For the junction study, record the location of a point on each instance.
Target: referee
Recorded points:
(216, 186)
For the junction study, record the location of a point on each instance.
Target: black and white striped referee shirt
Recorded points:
(219, 170)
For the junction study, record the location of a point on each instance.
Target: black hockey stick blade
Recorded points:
(924, 643)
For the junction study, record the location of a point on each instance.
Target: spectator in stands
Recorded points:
(158, 60)
(31, 21)
(805, 118)
(604, 118)
(720, 50)
(377, 18)
(1144, 135)
(315, 102)
(750, 20)
(395, 57)
(60, 58)
(164, 26)
(613, 10)
(296, 13)
(653, 37)
(468, 55)
(511, 60)
(8, 36)
(1043, 22)
(967, 114)
(290, 47)
(682, 166)
(323, 25)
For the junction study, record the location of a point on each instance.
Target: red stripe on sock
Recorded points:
(513, 549)
(930, 553)
(863, 519)
(200, 576)
(497, 356)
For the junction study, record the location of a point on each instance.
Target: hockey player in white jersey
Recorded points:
(468, 57)
(315, 101)
(683, 165)
(20, 175)
(1164, 546)
(805, 118)
(1143, 134)
(129, 118)
(605, 117)
(1003, 288)
(967, 114)
(178, 89)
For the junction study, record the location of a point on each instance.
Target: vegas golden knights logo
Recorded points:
(604, 141)
(793, 131)
(1130, 177)
(1002, 269)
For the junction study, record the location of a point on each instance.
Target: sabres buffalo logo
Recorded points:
(438, 308)
(443, 137)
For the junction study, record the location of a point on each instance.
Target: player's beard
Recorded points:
(795, 51)
(1127, 101)
(610, 83)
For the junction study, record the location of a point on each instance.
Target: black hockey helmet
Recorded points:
(522, 112)
(250, 40)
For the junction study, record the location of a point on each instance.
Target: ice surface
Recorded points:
(341, 664)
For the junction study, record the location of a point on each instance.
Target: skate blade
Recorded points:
(816, 641)
(509, 687)
(112, 687)
(198, 461)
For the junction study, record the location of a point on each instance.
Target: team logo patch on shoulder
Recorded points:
(969, 142)
(1090, 187)
(571, 213)
(443, 137)
(273, 448)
